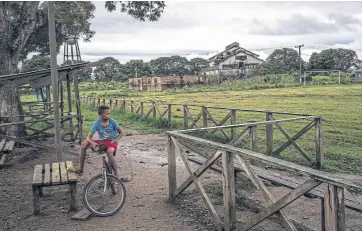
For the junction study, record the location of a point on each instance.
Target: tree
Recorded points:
(283, 61)
(137, 68)
(196, 64)
(334, 59)
(23, 29)
(110, 68)
(174, 65)
(37, 62)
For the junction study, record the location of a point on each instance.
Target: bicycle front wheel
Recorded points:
(104, 195)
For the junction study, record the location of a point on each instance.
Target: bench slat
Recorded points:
(71, 171)
(63, 173)
(47, 174)
(37, 178)
(55, 173)
(2, 144)
(9, 146)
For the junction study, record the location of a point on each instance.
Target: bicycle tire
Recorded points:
(94, 211)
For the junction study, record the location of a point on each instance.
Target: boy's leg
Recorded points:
(83, 148)
(112, 160)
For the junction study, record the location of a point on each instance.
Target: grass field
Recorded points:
(339, 105)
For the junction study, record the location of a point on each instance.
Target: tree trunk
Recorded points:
(10, 104)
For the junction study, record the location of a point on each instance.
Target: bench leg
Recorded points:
(36, 206)
(41, 192)
(73, 192)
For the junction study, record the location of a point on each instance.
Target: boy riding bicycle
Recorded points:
(109, 133)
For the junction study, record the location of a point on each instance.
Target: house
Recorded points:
(233, 59)
(159, 83)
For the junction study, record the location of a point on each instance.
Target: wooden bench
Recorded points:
(54, 174)
(6, 146)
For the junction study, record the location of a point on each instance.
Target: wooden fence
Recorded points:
(203, 118)
(333, 202)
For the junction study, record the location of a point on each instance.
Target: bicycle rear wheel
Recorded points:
(104, 197)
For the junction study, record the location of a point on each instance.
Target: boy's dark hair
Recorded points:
(102, 109)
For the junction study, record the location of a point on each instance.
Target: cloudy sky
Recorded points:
(203, 28)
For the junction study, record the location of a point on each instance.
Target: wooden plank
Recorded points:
(228, 182)
(55, 173)
(288, 182)
(319, 143)
(71, 171)
(172, 184)
(38, 175)
(3, 159)
(280, 204)
(2, 144)
(317, 174)
(269, 134)
(82, 215)
(63, 173)
(199, 187)
(266, 193)
(47, 174)
(9, 146)
(334, 214)
(294, 138)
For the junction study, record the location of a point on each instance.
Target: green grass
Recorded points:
(339, 105)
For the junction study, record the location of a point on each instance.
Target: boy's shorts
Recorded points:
(108, 143)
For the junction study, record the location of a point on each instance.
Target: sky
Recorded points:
(203, 28)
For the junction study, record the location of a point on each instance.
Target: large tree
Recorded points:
(337, 59)
(283, 61)
(24, 29)
(107, 69)
(135, 68)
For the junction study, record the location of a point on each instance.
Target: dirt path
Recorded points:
(147, 206)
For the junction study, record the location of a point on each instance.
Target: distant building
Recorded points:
(357, 75)
(161, 83)
(233, 60)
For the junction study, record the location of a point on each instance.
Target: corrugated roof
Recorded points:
(38, 78)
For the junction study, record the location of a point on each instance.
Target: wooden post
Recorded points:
(142, 108)
(110, 103)
(104, 101)
(229, 190)
(169, 115)
(186, 117)
(323, 223)
(36, 203)
(334, 211)
(204, 117)
(232, 122)
(79, 113)
(172, 185)
(99, 102)
(154, 110)
(124, 105)
(319, 142)
(254, 142)
(69, 96)
(73, 192)
(132, 107)
(116, 103)
(269, 134)
(61, 99)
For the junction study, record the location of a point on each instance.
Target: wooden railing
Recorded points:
(333, 207)
(205, 120)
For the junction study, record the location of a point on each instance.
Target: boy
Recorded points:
(109, 133)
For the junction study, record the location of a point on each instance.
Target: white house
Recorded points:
(232, 58)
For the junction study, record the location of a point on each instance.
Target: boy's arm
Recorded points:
(90, 138)
(120, 131)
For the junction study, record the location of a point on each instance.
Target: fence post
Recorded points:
(124, 104)
(319, 142)
(204, 117)
(141, 108)
(116, 103)
(228, 175)
(269, 134)
(171, 150)
(186, 117)
(232, 122)
(104, 101)
(99, 101)
(132, 108)
(169, 115)
(110, 103)
(334, 209)
(154, 110)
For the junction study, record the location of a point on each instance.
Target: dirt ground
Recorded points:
(147, 206)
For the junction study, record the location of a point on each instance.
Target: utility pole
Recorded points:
(300, 60)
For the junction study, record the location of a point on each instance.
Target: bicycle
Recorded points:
(109, 183)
